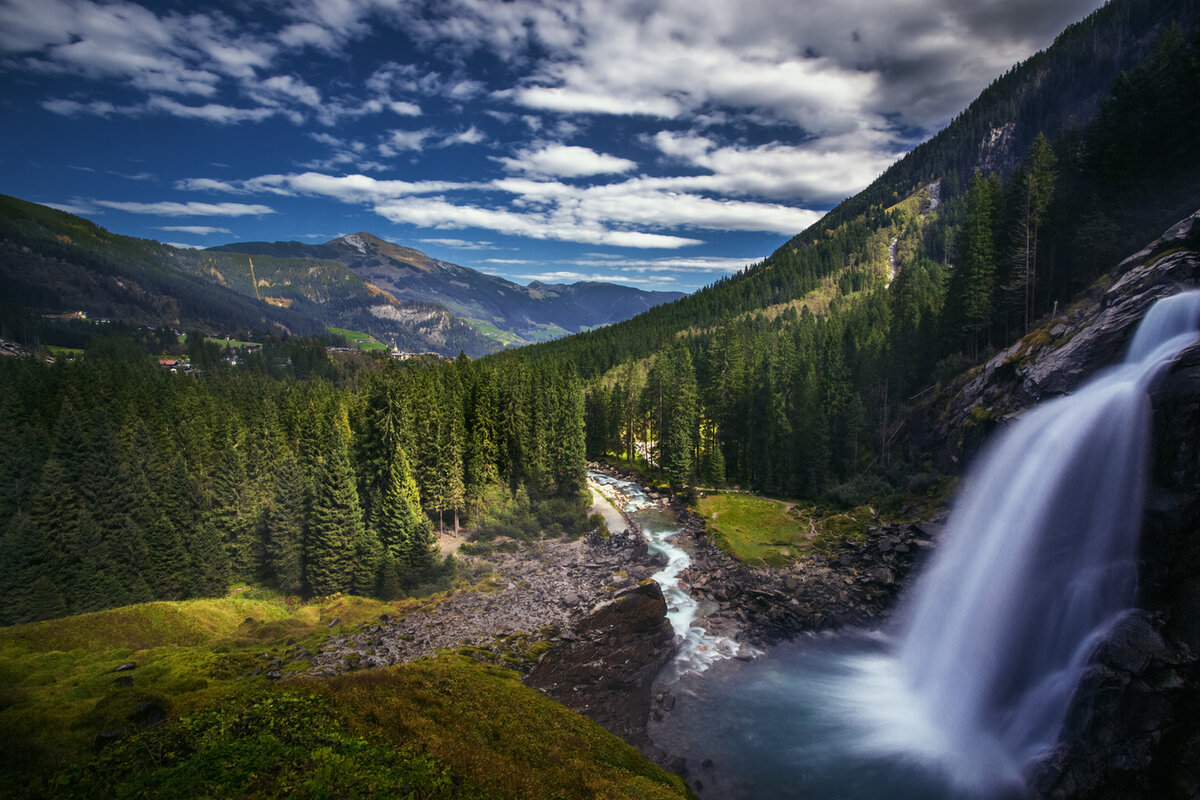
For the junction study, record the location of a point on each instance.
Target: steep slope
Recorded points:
(520, 313)
(1059, 92)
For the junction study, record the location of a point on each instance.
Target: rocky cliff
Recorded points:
(1134, 728)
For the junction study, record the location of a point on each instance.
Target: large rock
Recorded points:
(1063, 353)
(605, 669)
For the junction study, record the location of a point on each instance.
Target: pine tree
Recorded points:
(1034, 188)
(335, 527)
(404, 530)
(285, 529)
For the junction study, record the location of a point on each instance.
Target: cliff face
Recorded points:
(1134, 728)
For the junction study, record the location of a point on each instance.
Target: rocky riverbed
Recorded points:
(543, 590)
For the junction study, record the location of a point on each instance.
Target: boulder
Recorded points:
(606, 670)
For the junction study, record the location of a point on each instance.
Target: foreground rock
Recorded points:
(605, 673)
(587, 599)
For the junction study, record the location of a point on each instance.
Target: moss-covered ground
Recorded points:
(763, 532)
(197, 716)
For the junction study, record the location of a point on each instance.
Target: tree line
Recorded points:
(121, 482)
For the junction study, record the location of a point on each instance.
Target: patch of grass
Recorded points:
(363, 341)
(763, 532)
(753, 529)
(58, 688)
(504, 739)
(506, 338)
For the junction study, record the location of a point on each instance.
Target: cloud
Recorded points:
(208, 185)
(460, 244)
(565, 161)
(184, 246)
(172, 209)
(211, 112)
(471, 135)
(657, 203)
(820, 170)
(698, 264)
(401, 141)
(78, 207)
(199, 230)
(440, 214)
(346, 188)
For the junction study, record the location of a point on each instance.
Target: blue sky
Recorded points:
(656, 143)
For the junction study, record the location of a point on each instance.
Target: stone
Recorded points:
(125, 681)
(128, 665)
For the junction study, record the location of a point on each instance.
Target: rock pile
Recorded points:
(543, 590)
(759, 605)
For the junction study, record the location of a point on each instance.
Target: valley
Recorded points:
(908, 507)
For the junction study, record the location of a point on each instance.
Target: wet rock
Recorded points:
(125, 681)
(128, 665)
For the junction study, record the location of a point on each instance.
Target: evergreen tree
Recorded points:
(1034, 188)
(285, 529)
(404, 530)
(335, 528)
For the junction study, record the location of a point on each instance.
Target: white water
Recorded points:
(1036, 563)
(1039, 558)
(697, 649)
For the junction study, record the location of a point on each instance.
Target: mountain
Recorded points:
(794, 376)
(514, 314)
(52, 262)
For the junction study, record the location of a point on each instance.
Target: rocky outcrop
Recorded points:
(855, 585)
(1063, 353)
(536, 592)
(604, 669)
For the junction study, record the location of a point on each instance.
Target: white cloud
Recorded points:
(821, 170)
(184, 246)
(565, 161)
(401, 141)
(78, 207)
(199, 230)
(471, 135)
(211, 112)
(698, 264)
(172, 209)
(347, 188)
(207, 185)
(460, 244)
(440, 214)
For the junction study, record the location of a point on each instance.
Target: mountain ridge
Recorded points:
(526, 312)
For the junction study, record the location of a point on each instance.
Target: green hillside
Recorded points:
(196, 716)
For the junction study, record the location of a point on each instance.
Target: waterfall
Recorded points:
(1038, 559)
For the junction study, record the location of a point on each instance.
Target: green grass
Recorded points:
(506, 338)
(59, 352)
(227, 342)
(364, 341)
(762, 532)
(441, 727)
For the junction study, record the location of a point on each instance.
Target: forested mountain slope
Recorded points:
(790, 376)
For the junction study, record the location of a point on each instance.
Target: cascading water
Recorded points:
(1037, 561)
